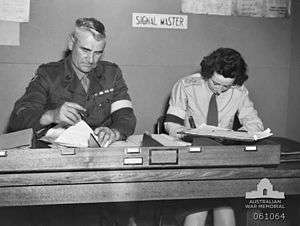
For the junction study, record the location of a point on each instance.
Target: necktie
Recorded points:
(212, 114)
(85, 83)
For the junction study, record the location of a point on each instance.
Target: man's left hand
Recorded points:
(106, 136)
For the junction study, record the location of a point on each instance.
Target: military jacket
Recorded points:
(107, 101)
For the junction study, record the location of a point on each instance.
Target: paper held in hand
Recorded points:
(74, 136)
(218, 132)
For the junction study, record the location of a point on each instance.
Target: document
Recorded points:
(217, 132)
(77, 135)
(253, 8)
(9, 33)
(14, 10)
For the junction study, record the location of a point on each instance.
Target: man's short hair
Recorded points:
(226, 62)
(92, 25)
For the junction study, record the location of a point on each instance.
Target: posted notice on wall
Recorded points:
(168, 21)
(253, 8)
(9, 33)
(14, 10)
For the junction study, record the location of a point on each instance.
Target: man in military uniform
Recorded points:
(79, 86)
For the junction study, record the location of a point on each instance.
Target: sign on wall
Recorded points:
(159, 21)
(12, 12)
(254, 8)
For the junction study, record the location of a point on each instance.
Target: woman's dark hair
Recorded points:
(226, 62)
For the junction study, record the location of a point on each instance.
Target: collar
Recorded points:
(79, 74)
(69, 79)
(69, 71)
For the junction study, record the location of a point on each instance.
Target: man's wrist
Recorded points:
(47, 118)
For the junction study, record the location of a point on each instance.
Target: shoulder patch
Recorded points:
(35, 75)
(53, 64)
(241, 89)
(192, 80)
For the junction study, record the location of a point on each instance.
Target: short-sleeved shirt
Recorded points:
(191, 95)
(107, 100)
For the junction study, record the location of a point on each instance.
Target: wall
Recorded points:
(293, 124)
(153, 59)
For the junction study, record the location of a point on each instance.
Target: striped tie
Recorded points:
(212, 114)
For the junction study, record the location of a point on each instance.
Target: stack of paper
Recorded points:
(217, 132)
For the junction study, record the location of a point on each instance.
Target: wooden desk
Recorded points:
(136, 184)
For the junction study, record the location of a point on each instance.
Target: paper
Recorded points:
(220, 7)
(53, 133)
(164, 139)
(263, 8)
(217, 132)
(77, 135)
(14, 10)
(136, 139)
(254, 8)
(9, 33)
(278, 8)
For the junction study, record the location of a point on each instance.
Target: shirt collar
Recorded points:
(79, 74)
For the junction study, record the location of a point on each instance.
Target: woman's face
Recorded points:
(219, 84)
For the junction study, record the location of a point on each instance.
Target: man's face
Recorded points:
(219, 84)
(86, 51)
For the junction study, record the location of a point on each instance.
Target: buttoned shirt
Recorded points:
(107, 100)
(190, 97)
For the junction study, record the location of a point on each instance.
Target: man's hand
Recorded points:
(106, 136)
(66, 114)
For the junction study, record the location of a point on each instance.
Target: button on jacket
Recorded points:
(107, 100)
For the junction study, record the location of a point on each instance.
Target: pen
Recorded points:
(42, 132)
(192, 122)
(95, 140)
(106, 144)
(82, 115)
